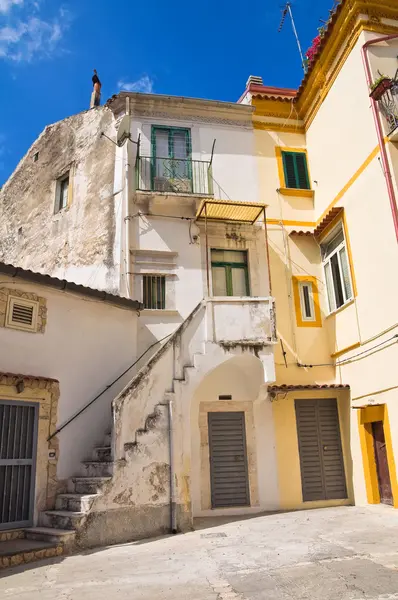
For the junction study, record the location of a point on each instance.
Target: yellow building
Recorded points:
(328, 167)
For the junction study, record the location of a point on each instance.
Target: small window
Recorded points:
(154, 292)
(306, 301)
(62, 191)
(296, 170)
(35, 157)
(337, 269)
(22, 314)
(229, 273)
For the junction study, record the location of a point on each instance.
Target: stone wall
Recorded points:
(76, 243)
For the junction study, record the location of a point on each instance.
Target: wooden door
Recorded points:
(321, 456)
(383, 473)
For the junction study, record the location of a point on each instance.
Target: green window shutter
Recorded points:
(296, 171)
(290, 170)
(302, 171)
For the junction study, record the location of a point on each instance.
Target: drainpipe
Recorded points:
(380, 137)
(127, 261)
(173, 495)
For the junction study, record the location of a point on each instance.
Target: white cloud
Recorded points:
(144, 84)
(6, 5)
(31, 37)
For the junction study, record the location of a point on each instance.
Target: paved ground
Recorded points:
(342, 553)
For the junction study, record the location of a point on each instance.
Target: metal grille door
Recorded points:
(18, 441)
(228, 459)
(321, 456)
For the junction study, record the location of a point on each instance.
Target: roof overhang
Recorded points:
(297, 388)
(332, 215)
(229, 210)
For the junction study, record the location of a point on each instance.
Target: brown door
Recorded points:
(383, 474)
(321, 456)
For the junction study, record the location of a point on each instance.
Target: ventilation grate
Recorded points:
(22, 314)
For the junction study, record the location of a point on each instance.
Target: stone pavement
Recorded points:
(346, 553)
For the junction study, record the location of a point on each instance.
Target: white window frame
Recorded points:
(58, 187)
(327, 260)
(22, 326)
(301, 286)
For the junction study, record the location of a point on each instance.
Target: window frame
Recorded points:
(295, 153)
(58, 192)
(302, 285)
(171, 131)
(327, 261)
(10, 324)
(299, 281)
(162, 277)
(228, 266)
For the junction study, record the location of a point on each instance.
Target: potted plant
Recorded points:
(380, 86)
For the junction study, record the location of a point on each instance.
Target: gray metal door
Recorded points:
(18, 442)
(321, 456)
(228, 459)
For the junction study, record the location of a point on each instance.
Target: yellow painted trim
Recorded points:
(297, 304)
(288, 223)
(278, 127)
(297, 193)
(353, 179)
(367, 416)
(281, 171)
(345, 350)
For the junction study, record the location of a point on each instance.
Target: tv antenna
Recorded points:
(287, 10)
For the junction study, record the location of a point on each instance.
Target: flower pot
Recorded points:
(378, 91)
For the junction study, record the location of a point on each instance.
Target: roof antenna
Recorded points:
(288, 10)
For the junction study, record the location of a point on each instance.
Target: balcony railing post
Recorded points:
(210, 180)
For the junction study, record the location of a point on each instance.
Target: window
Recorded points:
(337, 269)
(62, 192)
(306, 301)
(296, 170)
(154, 292)
(171, 159)
(229, 273)
(22, 314)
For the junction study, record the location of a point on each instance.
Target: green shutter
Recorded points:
(302, 171)
(296, 171)
(289, 168)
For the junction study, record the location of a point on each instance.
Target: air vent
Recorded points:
(22, 314)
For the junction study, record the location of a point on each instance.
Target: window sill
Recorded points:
(296, 192)
(338, 310)
(155, 312)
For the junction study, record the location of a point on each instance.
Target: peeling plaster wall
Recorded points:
(78, 242)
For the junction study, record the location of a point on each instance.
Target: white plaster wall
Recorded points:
(234, 161)
(86, 345)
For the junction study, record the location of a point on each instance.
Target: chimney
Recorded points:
(254, 79)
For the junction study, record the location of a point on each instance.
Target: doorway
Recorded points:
(383, 472)
(18, 443)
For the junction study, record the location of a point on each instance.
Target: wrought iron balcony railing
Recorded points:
(181, 176)
(387, 99)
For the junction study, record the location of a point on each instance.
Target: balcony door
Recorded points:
(171, 159)
(229, 273)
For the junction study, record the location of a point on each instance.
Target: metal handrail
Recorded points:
(174, 175)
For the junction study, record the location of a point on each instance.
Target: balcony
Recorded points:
(174, 176)
(241, 321)
(387, 98)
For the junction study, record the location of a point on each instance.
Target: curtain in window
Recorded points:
(219, 281)
(329, 287)
(346, 273)
(180, 153)
(162, 152)
(239, 286)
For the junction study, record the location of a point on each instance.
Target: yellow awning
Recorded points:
(229, 210)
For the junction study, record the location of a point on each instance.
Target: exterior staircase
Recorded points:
(124, 490)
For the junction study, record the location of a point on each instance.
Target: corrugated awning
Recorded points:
(229, 210)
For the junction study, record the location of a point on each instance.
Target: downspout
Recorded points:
(379, 130)
(127, 261)
(173, 494)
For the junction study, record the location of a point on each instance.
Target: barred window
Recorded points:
(154, 292)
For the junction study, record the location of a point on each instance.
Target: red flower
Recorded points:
(311, 52)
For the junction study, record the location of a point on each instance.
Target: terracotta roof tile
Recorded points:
(289, 388)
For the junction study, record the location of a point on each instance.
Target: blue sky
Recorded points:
(208, 49)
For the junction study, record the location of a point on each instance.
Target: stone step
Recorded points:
(75, 502)
(90, 468)
(102, 453)
(88, 485)
(62, 519)
(63, 537)
(20, 551)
